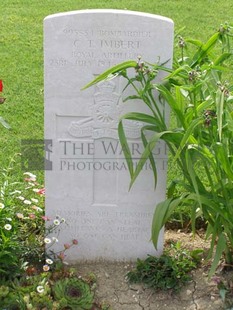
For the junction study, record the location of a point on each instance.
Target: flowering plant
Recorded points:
(199, 138)
(28, 273)
(23, 233)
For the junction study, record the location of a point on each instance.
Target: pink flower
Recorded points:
(217, 280)
(74, 241)
(46, 268)
(61, 256)
(45, 218)
(66, 246)
(41, 191)
(32, 216)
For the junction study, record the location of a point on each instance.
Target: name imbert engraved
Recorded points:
(114, 44)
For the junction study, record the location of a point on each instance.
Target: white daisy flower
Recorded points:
(40, 289)
(21, 198)
(56, 222)
(2, 206)
(34, 200)
(9, 219)
(19, 215)
(46, 268)
(47, 240)
(54, 239)
(27, 202)
(15, 192)
(37, 208)
(36, 190)
(8, 226)
(49, 261)
(31, 175)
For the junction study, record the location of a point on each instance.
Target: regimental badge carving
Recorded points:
(133, 129)
(105, 112)
(106, 109)
(81, 128)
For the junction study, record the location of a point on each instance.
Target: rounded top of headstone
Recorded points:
(112, 11)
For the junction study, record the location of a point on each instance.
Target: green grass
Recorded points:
(21, 51)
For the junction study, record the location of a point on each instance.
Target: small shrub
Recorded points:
(73, 293)
(169, 271)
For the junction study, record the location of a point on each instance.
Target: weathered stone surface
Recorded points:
(89, 180)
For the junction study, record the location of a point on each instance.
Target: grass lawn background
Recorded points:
(21, 51)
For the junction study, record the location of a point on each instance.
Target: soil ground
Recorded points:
(113, 289)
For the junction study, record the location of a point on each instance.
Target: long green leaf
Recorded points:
(205, 153)
(167, 136)
(174, 137)
(171, 188)
(221, 68)
(125, 148)
(219, 110)
(118, 68)
(151, 158)
(169, 98)
(162, 213)
(142, 117)
(211, 231)
(153, 128)
(145, 155)
(211, 207)
(222, 58)
(179, 98)
(203, 106)
(158, 220)
(205, 49)
(194, 42)
(192, 173)
(133, 97)
(221, 246)
(223, 159)
(188, 138)
(181, 72)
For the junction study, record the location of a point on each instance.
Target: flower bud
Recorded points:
(66, 246)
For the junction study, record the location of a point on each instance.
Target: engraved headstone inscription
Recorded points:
(89, 181)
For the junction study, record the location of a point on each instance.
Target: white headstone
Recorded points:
(89, 181)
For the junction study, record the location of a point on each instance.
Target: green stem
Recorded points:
(164, 126)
